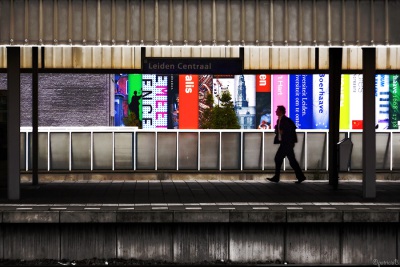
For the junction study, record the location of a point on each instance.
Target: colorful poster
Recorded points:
(205, 88)
(263, 101)
(320, 101)
(300, 105)
(382, 101)
(356, 101)
(222, 83)
(263, 83)
(155, 101)
(279, 94)
(344, 119)
(157, 98)
(173, 102)
(306, 101)
(135, 94)
(394, 101)
(244, 100)
(121, 109)
(188, 101)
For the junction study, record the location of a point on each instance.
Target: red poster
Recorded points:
(188, 101)
(263, 83)
(357, 124)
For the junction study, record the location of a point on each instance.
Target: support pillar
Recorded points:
(13, 122)
(35, 115)
(335, 76)
(369, 138)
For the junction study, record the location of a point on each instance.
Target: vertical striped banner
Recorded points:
(243, 95)
(295, 99)
(263, 101)
(188, 101)
(135, 93)
(279, 94)
(344, 119)
(155, 101)
(301, 95)
(173, 102)
(394, 101)
(356, 101)
(205, 88)
(320, 101)
(382, 101)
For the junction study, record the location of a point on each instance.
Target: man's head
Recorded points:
(280, 111)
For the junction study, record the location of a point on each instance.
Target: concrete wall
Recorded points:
(87, 241)
(31, 241)
(196, 237)
(66, 99)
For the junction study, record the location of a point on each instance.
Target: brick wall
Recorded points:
(66, 99)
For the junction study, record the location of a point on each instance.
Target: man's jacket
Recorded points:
(288, 131)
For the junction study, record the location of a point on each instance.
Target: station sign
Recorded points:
(193, 65)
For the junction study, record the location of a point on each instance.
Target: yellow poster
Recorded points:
(344, 119)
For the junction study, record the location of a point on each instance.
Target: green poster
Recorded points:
(394, 101)
(344, 119)
(135, 94)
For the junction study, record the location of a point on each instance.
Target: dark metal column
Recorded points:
(13, 122)
(335, 72)
(35, 117)
(368, 139)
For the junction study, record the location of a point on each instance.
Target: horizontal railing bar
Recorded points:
(248, 155)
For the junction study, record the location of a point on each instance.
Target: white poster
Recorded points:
(356, 101)
(382, 101)
(321, 101)
(154, 101)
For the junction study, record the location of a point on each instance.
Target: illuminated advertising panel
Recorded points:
(356, 101)
(222, 83)
(205, 88)
(344, 120)
(394, 101)
(158, 99)
(173, 102)
(382, 101)
(320, 101)
(263, 101)
(301, 94)
(188, 101)
(244, 100)
(154, 101)
(120, 99)
(279, 94)
(135, 94)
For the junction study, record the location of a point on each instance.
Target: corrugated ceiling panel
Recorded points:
(323, 61)
(212, 22)
(93, 57)
(393, 58)
(3, 57)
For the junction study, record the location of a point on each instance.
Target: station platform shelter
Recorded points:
(195, 220)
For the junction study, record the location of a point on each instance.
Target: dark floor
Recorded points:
(186, 192)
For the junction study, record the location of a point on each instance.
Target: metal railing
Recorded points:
(129, 148)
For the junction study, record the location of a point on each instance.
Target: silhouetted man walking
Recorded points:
(285, 135)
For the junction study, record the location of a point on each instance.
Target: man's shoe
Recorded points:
(299, 181)
(273, 179)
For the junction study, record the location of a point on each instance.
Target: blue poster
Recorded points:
(301, 104)
(321, 101)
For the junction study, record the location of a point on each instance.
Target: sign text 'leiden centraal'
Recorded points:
(192, 66)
